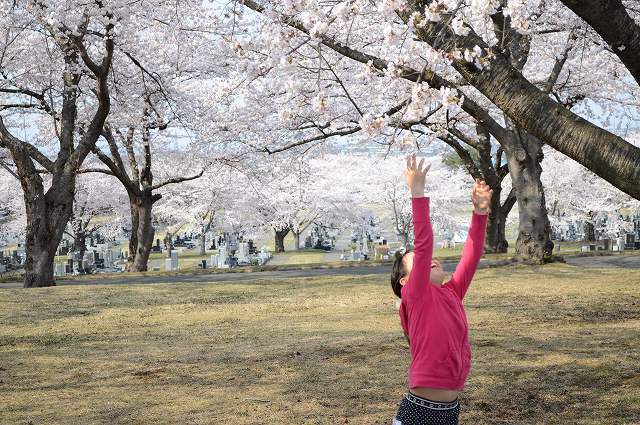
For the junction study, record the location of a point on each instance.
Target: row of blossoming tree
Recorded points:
(148, 109)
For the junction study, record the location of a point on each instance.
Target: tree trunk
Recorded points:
(133, 238)
(203, 243)
(296, 240)
(279, 239)
(146, 233)
(534, 242)
(47, 217)
(80, 245)
(589, 232)
(496, 242)
(406, 238)
(168, 243)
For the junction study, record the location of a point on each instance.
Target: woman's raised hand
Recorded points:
(416, 174)
(481, 197)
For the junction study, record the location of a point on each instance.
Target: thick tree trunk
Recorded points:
(146, 233)
(279, 239)
(47, 217)
(39, 266)
(80, 246)
(534, 235)
(495, 241)
(203, 243)
(133, 238)
(79, 241)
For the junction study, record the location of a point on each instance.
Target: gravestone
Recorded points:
(171, 264)
(263, 256)
(222, 257)
(242, 253)
(621, 243)
(630, 242)
(214, 260)
(156, 247)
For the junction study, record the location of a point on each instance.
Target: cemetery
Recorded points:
(320, 212)
(109, 256)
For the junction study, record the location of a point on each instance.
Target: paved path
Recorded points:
(622, 261)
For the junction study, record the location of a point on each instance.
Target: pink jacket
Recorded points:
(433, 317)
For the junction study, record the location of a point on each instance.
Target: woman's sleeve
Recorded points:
(471, 253)
(423, 249)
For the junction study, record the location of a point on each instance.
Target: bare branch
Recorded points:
(177, 180)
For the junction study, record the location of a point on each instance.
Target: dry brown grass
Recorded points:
(552, 345)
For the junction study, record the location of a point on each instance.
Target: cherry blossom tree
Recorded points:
(313, 46)
(283, 199)
(54, 70)
(203, 204)
(157, 105)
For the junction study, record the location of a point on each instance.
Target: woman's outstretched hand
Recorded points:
(416, 174)
(481, 197)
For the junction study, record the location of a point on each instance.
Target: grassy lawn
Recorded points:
(552, 345)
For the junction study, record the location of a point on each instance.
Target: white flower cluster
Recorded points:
(367, 73)
(434, 11)
(517, 11)
(388, 7)
(342, 10)
(458, 26)
(373, 125)
(318, 29)
(485, 7)
(406, 140)
(391, 35)
(449, 97)
(392, 71)
(480, 58)
(421, 98)
(285, 114)
(319, 102)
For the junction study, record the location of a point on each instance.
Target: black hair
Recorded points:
(398, 272)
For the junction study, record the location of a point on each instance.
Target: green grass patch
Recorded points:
(552, 344)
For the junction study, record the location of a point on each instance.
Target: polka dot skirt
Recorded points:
(416, 410)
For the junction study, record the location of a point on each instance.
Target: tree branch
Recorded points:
(610, 19)
(7, 140)
(177, 180)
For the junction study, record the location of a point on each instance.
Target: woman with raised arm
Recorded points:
(431, 310)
